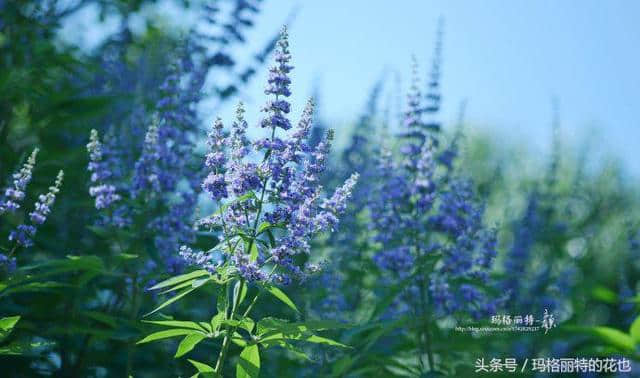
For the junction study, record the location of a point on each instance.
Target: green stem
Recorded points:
(227, 338)
(134, 312)
(231, 330)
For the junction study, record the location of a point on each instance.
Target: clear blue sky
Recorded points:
(508, 58)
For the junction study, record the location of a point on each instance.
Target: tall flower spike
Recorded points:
(241, 177)
(146, 175)
(104, 194)
(239, 141)
(278, 85)
(214, 183)
(45, 201)
(414, 99)
(21, 179)
(297, 144)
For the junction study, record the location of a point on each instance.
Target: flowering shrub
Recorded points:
(268, 211)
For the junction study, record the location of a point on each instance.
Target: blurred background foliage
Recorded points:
(568, 227)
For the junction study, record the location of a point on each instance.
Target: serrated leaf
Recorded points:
(249, 363)
(188, 343)
(167, 334)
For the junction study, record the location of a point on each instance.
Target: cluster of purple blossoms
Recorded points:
(24, 233)
(270, 208)
(420, 213)
(146, 176)
(103, 192)
(45, 201)
(14, 195)
(7, 265)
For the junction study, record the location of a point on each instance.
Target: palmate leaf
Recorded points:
(249, 363)
(276, 292)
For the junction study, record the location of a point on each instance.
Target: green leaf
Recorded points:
(605, 295)
(634, 331)
(249, 364)
(253, 255)
(216, 321)
(272, 238)
(222, 300)
(128, 256)
(188, 283)
(109, 320)
(273, 331)
(323, 340)
(269, 324)
(199, 282)
(204, 370)
(179, 279)
(168, 333)
(188, 343)
(276, 292)
(247, 324)
(50, 286)
(613, 337)
(239, 292)
(7, 324)
(263, 226)
(177, 323)
(171, 300)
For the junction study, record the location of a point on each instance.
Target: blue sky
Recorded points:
(508, 58)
